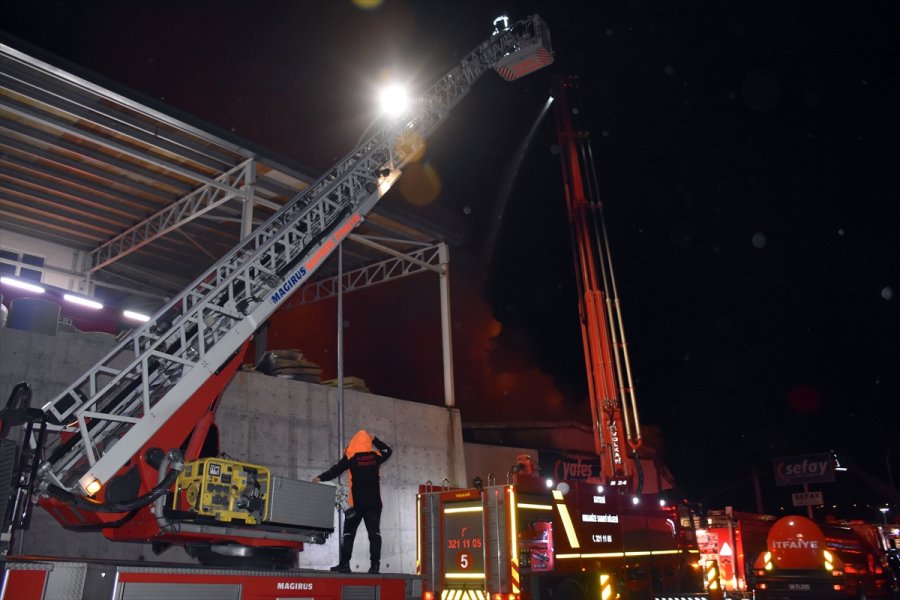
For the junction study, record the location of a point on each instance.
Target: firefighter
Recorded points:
(364, 455)
(525, 467)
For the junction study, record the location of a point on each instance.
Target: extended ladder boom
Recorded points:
(115, 408)
(617, 431)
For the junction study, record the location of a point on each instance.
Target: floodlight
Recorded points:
(394, 100)
(92, 486)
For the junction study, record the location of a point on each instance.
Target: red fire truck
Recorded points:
(572, 541)
(597, 538)
(734, 539)
(806, 559)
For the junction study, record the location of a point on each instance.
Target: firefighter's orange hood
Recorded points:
(361, 442)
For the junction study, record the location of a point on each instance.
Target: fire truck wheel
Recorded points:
(234, 556)
(570, 590)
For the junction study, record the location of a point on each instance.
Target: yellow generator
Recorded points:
(223, 489)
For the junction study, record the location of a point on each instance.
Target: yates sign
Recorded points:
(807, 468)
(568, 465)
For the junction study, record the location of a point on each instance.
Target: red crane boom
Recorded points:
(613, 407)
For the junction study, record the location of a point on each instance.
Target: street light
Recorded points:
(884, 511)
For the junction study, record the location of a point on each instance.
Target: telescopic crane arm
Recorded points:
(616, 426)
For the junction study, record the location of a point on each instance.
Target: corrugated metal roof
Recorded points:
(87, 167)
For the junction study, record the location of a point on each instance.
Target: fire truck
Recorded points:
(733, 539)
(128, 449)
(821, 560)
(566, 541)
(600, 537)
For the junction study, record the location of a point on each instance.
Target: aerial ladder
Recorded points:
(107, 451)
(616, 426)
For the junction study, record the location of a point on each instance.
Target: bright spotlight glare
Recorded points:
(549, 483)
(635, 500)
(394, 100)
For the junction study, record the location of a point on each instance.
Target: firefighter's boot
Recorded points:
(346, 550)
(375, 552)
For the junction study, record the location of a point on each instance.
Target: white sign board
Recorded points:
(807, 498)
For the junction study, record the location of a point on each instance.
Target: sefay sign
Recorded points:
(807, 468)
(808, 499)
(568, 465)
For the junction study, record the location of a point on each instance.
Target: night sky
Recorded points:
(747, 156)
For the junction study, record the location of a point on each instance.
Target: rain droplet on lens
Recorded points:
(759, 240)
(841, 231)
(467, 210)
(670, 70)
(887, 292)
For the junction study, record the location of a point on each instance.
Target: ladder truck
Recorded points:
(126, 448)
(598, 537)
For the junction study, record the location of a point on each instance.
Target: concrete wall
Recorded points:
(289, 426)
